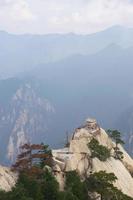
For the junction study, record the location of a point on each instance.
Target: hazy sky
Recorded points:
(79, 16)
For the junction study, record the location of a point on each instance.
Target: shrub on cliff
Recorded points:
(116, 136)
(99, 151)
(76, 186)
(102, 183)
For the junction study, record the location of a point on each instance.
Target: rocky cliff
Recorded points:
(7, 179)
(25, 118)
(77, 156)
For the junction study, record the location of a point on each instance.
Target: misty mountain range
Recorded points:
(65, 78)
(23, 52)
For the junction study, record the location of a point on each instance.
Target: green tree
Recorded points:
(35, 182)
(99, 151)
(116, 136)
(31, 186)
(67, 195)
(101, 182)
(50, 186)
(45, 160)
(75, 186)
(32, 159)
(4, 195)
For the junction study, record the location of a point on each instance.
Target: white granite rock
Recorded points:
(77, 157)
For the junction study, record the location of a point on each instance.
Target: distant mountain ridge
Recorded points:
(24, 117)
(78, 75)
(19, 53)
(99, 84)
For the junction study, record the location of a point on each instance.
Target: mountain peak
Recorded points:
(77, 156)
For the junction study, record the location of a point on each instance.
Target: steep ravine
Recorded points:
(26, 118)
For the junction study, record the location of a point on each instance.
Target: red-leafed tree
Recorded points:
(33, 158)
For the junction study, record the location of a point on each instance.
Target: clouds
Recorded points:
(80, 16)
(15, 15)
(14, 10)
(94, 15)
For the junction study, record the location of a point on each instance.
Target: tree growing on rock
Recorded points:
(116, 136)
(75, 187)
(33, 158)
(99, 151)
(103, 183)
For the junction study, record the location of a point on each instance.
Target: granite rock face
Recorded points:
(78, 157)
(26, 118)
(7, 179)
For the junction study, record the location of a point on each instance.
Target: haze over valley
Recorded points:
(51, 83)
(66, 100)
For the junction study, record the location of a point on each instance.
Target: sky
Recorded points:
(63, 16)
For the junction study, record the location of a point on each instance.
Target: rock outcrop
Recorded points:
(78, 157)
(7, 179)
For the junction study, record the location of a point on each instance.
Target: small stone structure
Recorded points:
(91, 124)
(89, 127)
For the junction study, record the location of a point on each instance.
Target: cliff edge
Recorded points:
(77, 156)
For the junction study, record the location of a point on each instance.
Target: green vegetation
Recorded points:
(46, 160)
(102, 183)
(75, 186)
(30, 188)
(99, 151)
(32, 159)
(37, 182)
(47, 188)
(116, 136)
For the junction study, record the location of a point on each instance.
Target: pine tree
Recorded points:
(33, 158)
(116, 136)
